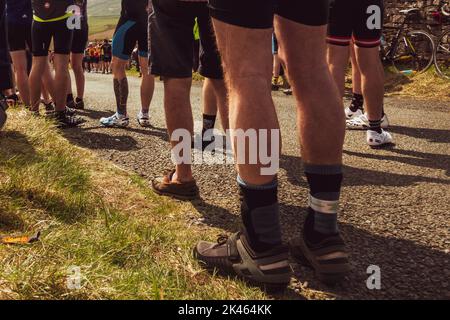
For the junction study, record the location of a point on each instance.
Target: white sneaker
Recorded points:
(375, 139)
(143, 119)
(116, 120)
(349, 114)
(362, 123)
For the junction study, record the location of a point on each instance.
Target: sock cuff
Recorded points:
(323, 169)
(209, 117)
(271, 185)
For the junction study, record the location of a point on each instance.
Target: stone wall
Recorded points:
(393, 16)
(394, 6)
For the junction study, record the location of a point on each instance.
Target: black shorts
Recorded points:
(258, 14)
(19, 37)
(80, 39)
(129, 33)
(356, 19)
(106, 59)
(172, 40)
(5, 64)
(43, 33)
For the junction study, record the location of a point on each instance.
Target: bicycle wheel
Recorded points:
(414, 53)
(442, 55)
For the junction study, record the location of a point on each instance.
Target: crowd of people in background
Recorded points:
(98, 56)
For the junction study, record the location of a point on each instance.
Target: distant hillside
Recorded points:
(104, 8)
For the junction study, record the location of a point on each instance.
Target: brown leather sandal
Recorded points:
(164, 186)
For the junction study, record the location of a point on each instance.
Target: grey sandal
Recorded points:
(233, 256)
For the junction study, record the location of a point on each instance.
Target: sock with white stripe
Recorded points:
(325, 186)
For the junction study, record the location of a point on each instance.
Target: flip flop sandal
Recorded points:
(329, 258)
(232, 256)
(181, 191)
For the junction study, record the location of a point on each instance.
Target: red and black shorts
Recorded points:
(357, 20)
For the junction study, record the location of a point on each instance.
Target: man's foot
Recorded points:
(232, 256)
(49, 108)
(116, 120)
(275, 84)
(328, 257)
(164, 186)
(288, 92)
(79, 104)
(70, 104)
(375, 139)
(65, 120)
(362, 123)
(349, 114)
(12, 99)
(70, 111)
(143, 119)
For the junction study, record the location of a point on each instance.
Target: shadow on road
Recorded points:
(432, 135)
(408, 270)
(97, 140)
(359, 177)
(414, 158)
(216, 216)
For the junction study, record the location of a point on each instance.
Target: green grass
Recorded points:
(127, 242)
(102, 24)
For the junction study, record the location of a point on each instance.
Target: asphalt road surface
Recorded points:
(395, 202)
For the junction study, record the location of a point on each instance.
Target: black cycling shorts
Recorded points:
(43, 33)
(80, 40)
(19, 36)
(258, 14)
(172, 40)
(129, 33)
(356, 19)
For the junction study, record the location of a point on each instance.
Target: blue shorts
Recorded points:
(274, 44)
(129, 33)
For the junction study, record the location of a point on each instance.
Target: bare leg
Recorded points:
(77, 67)
(372, 80)
(147, 85)
(338, 62)
(310, 78)
(178, 112)
(356, 73)
(19, 59)
(39, 66)
(60, 86)
(248, 79)
(215, 99)
(120, 85)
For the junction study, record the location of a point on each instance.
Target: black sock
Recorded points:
(69, 98)
(78, 100)
(357, 102)
(375, 125)
(325, 186)
(209, 122)
(260, 215)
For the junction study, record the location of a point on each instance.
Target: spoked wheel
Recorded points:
(442, 56)
(414, 53)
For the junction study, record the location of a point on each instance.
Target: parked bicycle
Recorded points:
(409, 52)
(442, 48)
